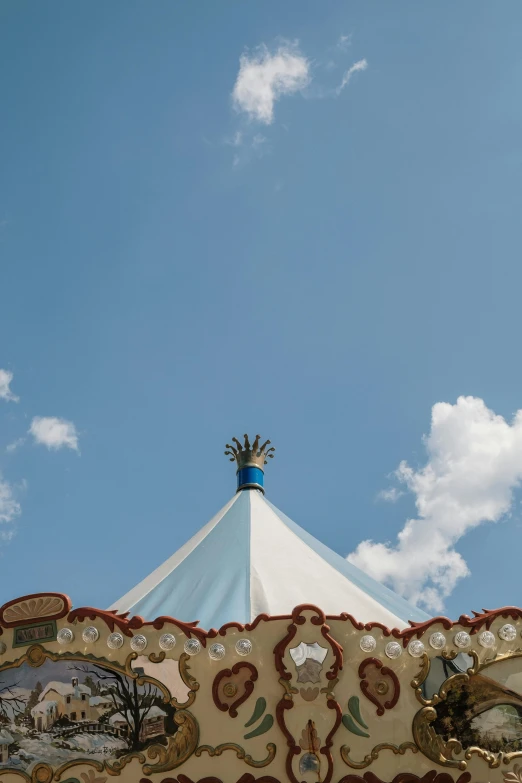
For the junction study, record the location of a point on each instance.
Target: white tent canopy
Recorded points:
(251, 559)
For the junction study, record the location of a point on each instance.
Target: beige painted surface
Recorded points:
(322, 708)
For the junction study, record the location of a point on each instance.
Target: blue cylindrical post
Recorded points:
(250, 477)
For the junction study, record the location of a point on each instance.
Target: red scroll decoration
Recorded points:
(232, 687)
(316, 626)
(379, 684)
(368, 777)
(408, 777)
(246, 778)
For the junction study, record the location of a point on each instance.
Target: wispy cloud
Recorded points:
(337, 52)
(390, 495)
(474, 465)
(53, 432)
(265, 77)
(9, 506)
(344, 42)
(360, 65)
(247, 146)
(6, 394)
(14, 445)
(236, 140)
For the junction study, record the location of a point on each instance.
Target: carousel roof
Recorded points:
(252, 559)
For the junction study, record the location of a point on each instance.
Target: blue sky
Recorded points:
(202, 234)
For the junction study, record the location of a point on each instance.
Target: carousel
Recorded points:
(309, 670)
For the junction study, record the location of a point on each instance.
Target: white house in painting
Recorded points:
(5, 740)
(100, 704)
(71, 700)
(45, 714)
(153, 723)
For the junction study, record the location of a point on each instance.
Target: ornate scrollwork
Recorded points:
(188, 680)
(232, 687)
(99, 766)
(116, 767)
(373, 755)
(379, 684)
(179, 748)
(435, 747)
(36, 655)
(422, 676)
(42, 773)
(328, 679)
(240, 753)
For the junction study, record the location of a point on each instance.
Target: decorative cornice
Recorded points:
(313, 716)
(127, 625)
(49, 606)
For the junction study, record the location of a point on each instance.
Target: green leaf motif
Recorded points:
(350, 724)
(263, 727)
(258, 711)
(353, 706)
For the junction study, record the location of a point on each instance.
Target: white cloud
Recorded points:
(338, 51)
(474, 465)
(54, 433)
(263, 78)
(390, 495)
(344, 42)
(14, 445)
(9, 507)
(5, 392)
(360, 65)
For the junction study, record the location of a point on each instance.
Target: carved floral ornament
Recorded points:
(87, 694)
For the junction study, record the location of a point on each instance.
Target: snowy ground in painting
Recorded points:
(499, 723)
(54, 750)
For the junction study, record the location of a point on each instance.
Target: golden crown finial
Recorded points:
(245, 454)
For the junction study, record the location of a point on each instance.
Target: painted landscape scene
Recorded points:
(485, 710)
(73, 709)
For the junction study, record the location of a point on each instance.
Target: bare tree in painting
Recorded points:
(11, 704)
(132, 702)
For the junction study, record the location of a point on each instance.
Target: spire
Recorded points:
(250, 460)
